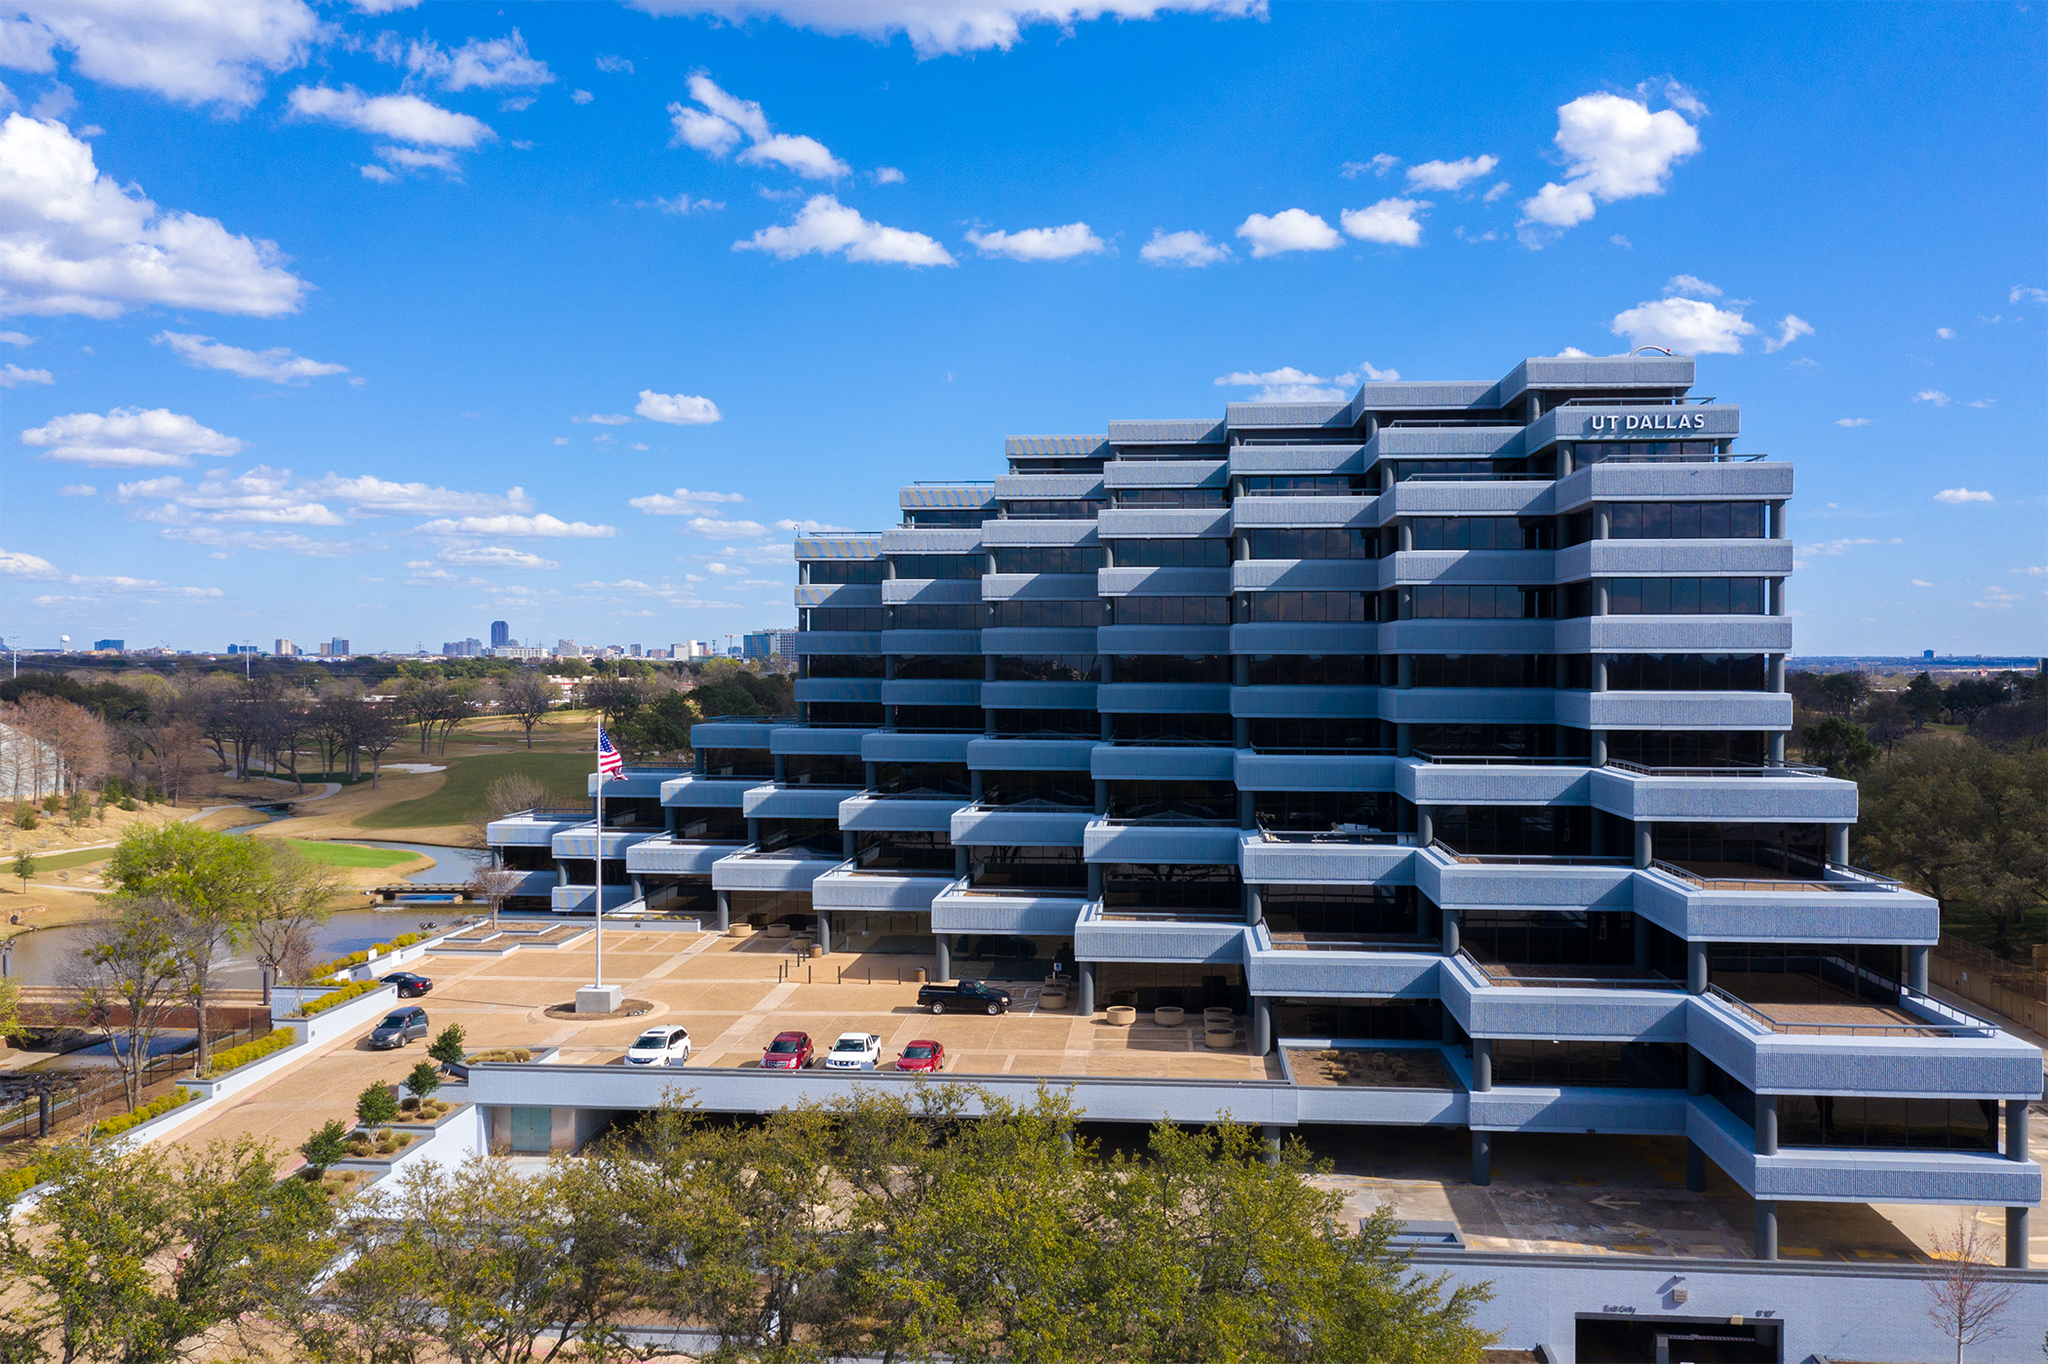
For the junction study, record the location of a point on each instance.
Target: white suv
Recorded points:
(854, 1051)
(660, 1047)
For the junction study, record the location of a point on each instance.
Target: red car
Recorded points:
(789, 1051)
(922, 1055)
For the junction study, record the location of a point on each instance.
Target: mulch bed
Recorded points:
(628, 1008)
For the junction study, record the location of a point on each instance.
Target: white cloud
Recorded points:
(267, 541)
(1844, 546)
(1379, 166)
(1621, 241)
(494, 556)
(407, 118)
(1688, 326)
(1573, 353)
(417, 158)
(74, 241)
(1945, 333)
(541, 527)
(1292, 229)
(1981, 402)
(369, 496)
(128, 438)
(677, 409)
(712, 527)
(1390, 221)
(682, 205)
(612, 64)
(377, 173)
(718, 127)
(1499, 191)
(1040, 243)
(262, 496)
(602, 419)
(1920, 582)
(479, 64)
(1955, 497)
(2023, 294)
(808, 527)
(1450, 176)
(1693, 285)
(1615, 148)
(1291, 385)
(15, 564)
(581, 96)
(939, 28)
(1931, 395)
(78, 490)
(1191, 249)
(1997, 598)
(194, 52)
(17, 338)
(1853, 421)
(887, 175)
(827, 227)
(277, 364)
(681, 502)
(13, 375)
(1790, 330)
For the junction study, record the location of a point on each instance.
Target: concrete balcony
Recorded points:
(742, 732)
(1163, 762)
(1038, 587)
(1063, 487)
(1033, 531)
(1544, 1003)
(1674, 709)
(1466, 705)
(868, 812)
(1113, 936)
(932, 539)
(1849, 1175)
(1333, 970)
(1846, 907)
(1304, 637)
(1527, 566)
(784, 869)
(895, 746)
(848, 887)
(533, 828)
(1163, 639)
(1633, 1112)
(581, 841)
(642, 782)
(1309, 702)
(1162, 582)
(1025, 913)
(769, 801)
(677, 857)
(1383, 860)
(1468, 636)
(1731, 794)
(985, 826)
(1298, 459)
(1031, 755)
(1107, 841)
(1163, 698)
(708, 793)
(583, 899)
(930, 693)
(931, 591)
(1013, 639)
(1470, 882)
(1455, 781)
(1641, 558)
(838, 594)
(1253, 513)
(1640, 482)
(1674, 635)
(1154, 523)
(1502, 497)
(1255, 771)
(1166, 473)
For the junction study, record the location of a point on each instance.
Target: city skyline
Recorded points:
(521, 344)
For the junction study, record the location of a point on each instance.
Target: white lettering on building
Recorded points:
(1652, 421)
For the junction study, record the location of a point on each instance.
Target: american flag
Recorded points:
(609, 763)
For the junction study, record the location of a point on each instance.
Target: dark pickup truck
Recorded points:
(964, 996)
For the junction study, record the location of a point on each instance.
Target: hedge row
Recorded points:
(338, 996)
(355, 959)
(235, 1057)
(15, 1183)
(155, 1108)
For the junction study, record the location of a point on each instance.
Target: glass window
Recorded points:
(1290, 734)
(1172, 497)
(1680, 748)
(1061, 790)
(1483, 670)
(1027, 868)
(1171, 668)
(1171, 553)
(1048, 668)
(1306, 606)
(946, 616)
(938, 565)
(1052, 509)
(1172, 611)
(1046, 724)
(1321, 811)
(939, 668)
(1171, 727)
(1685, 521)
(1314, 670)
(1315, 542)
(1048, 558)
(842, 665)
(844, 570)
(1302, 485)
(1048, 615)
(1142, 886)
(1687, 672)
(1480, 602)
(840, 618)
(1212, 802)
(1685, 596)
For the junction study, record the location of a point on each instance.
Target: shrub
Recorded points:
(447, 1047)
(15, 1183)
(340, 995)
(233, 1057)
(376, 1104)
(79, 808)
(520, 1054)
(115, 789)
(325, 1146)
(52, 803)
(25, 816)
(155, 1108)
(128, 803)
(424, 1080)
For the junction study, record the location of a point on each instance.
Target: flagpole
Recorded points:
(601, 779)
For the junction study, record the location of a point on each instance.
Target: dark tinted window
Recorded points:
(1172, 611)
(1048, 558)
(845, 570)
(1171, 553)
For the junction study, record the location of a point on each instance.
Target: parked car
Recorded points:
(854, 1051)
(922, 1055)
(789, 1051)
(660, 1047)
(399, 1027)
(411, 985)
(972, 996)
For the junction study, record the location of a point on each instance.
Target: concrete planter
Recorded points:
(1050, 1000)
(1217, 1014)
(778, 930)
(1219, 1039)
(1122, 1016)
(1166, 1016)
(740, 931)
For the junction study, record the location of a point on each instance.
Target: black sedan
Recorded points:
(410, 985)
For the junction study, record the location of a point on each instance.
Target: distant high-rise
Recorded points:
(339, 647)
(286, 649)
(501, 634)
(462, 648)
(109, 645)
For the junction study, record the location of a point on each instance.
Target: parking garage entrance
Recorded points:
(1677, 1340)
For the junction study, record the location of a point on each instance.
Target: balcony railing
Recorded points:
(1846, 878)
(1529, 975)
(1526, 859)
(1344, 751)
(1677, 400)
(1731, 770)
(1500, 760)
(1966, 1026)
(582, 812)
(1338, 833)
(747, 720)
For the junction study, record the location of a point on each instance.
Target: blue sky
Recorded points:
(385, 325)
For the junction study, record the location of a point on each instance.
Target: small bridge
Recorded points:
(458, 889)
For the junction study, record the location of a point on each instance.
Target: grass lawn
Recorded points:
(350, 855)
(462, 792)
(61, 861)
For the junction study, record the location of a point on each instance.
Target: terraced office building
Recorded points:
(1451, 718)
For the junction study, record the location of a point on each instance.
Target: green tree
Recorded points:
(1924, 700)
(24, 867)
(1970, 697)
(423, 1080)
(1842, 692)
(1887, 720)
(376, 1104)
(447, 1045)
(1838, 745)
(327, 1144)
(79, 809)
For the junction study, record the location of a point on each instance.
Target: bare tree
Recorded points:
(508, 795)
(125, 982)
(494, 885)
(290, 901)
(1965, 1301)
(526, 697)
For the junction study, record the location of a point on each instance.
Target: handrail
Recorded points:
(548, 812)
(1500, 759)
(1852, 877)
(1679, 400)
(1976, 1027)
(1168, 821)
(1729, 770)
(748, 719)
(1577, 982)
(1527, 859)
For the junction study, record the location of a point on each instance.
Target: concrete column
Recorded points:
(781, 769)
(1404, 533)
(1095, 880)
(1425, 825)
(1254, 905)
(960, 867)
(1695, 1072)
(1596, 832)
(988, 668)
(1695, 1168)
(1421, 917)
(1482, 1158)
(1261, 1025)
(1776, 606)
(1241, 732)
(870, 773)
(2016, 1238)
(825, 931)
(2015, 1129)
(1598, 745)
(1777, 672)
(1241, 670)
(1599, 596)
(1109, 554)
(1102, 790)
(888, 667)
(561, 873)
(1269, 1137)
(1087, 970)
(1645, 848)
(1777, 742)
(1450, 938)
(848, 840)
(1838, 844)
(1696, 968)
(724, 909)
(1108, 728)
(1453, 1035)
(1482, 1065)
(974, 786)
(1603, 521)
(1916, 969)
(1564, 460)
(1243, 543)
(1641, 959)
(1535, 404)
(671, 819)
(1777, 520)
(1767, 1124)
(754, 831)
(1599, 672)
(1404, 740)
(1766, 1229)
(945, 954)
(1404, 670)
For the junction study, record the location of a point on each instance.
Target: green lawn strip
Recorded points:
(350, 854)
(462, 793)
(61, 861)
